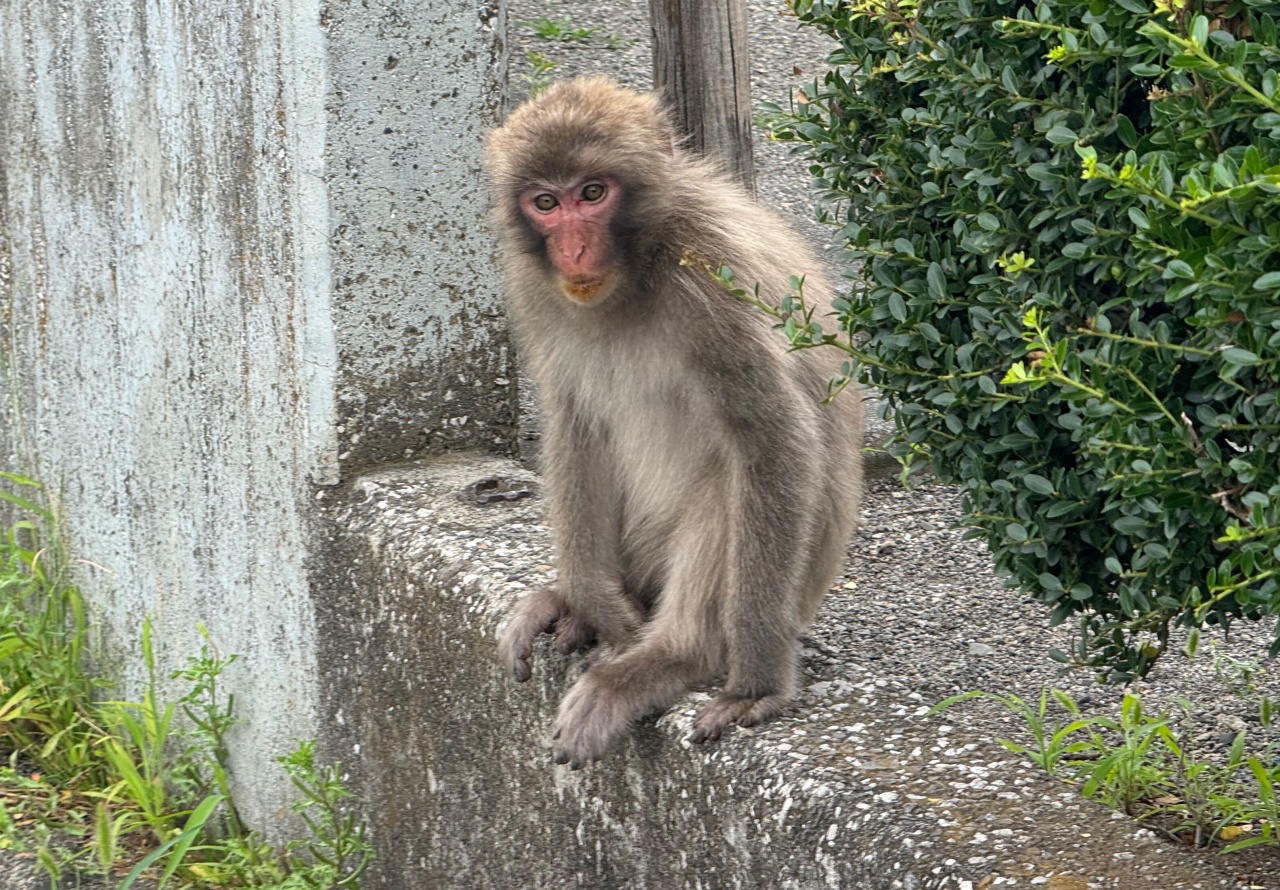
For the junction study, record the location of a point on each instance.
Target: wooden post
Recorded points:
(702, 69)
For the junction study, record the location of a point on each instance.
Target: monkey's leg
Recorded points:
(607, 699)
(542, 611)
(760, 609)
(679, 648)
(823, 558)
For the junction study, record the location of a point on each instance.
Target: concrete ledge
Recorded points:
(854, 788)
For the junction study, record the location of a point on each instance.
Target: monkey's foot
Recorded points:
(726, 709)
(540, 612)
(590, 719)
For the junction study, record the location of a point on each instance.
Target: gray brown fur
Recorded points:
(702, 497)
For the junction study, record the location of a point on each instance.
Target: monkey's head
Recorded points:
(576, 172)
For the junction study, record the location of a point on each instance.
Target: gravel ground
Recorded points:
(919, 604)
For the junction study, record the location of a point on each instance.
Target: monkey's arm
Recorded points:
(588, 601)
(585, 508)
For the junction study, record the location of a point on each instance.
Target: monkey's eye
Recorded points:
(545, 202)
(593, 191)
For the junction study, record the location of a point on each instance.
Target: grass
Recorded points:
(561, 29)
(539, 76)
(1146, 766)
(128, 790)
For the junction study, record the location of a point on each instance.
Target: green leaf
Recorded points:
(1050, 582)
(1125, 130)
(1043, 173)
(1237, 356)
(1200, 30)
(1061, 135)
(1008, 80)
(1269, 281)
(1188, 62)
(898, 307)
(1130, 525)
(180, 842)
(25, 504)
(190, 831)
(1038, 484)
(937, 282)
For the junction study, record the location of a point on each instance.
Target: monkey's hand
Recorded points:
(542, 611)
(726, 709)
(591, 718)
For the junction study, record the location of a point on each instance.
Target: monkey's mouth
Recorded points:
(585, 288)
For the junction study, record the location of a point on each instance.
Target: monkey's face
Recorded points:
(576, 224)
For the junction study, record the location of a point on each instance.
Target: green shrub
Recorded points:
(1068, 219)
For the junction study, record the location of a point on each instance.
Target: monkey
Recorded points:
(700, 494)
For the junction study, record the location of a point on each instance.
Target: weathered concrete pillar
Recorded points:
(242, 255)
(423, 355)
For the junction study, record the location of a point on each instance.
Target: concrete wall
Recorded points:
(238, 257)
(855, 788)
(424, 365)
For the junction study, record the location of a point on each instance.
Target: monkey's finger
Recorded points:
(572, 635)
(516, 654)
(520, 670)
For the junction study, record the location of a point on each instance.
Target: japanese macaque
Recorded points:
(701, 495)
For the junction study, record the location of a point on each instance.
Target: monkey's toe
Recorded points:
(727, 709)
(711, 721)
(703, 734)
(538, 613)
(567, 750)
(762, 709)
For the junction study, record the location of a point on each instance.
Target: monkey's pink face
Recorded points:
(575, 221)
